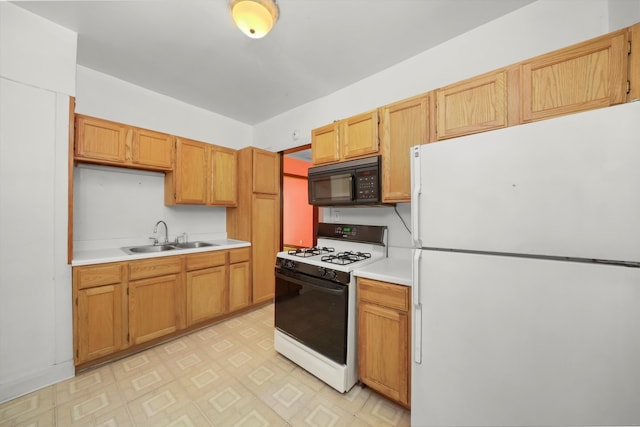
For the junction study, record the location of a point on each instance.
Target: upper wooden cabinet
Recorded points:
(325, 144)
(266, 172)
(360, 135)
(223, 169)
(152, 149)
(581, 77)
(110, 143)
(346, 139)
(475, 105)
(204, 174)
(402, 125)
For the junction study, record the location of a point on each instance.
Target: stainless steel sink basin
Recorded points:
(148, 249)
(191, 245)
(145, 249)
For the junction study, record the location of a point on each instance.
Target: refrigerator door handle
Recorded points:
(417, 306)
(416, 183)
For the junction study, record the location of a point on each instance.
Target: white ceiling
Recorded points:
(190, 49)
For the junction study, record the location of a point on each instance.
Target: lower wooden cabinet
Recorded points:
(118, 307)
(239, 279)
(383, 339)
(100, 311)
(100, 326)
(206, 284)
(153, 307)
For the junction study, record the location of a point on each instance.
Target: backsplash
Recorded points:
(116, 207)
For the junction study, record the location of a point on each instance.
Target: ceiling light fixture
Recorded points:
(255, 18)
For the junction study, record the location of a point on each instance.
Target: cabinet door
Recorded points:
(266, 172)
(360, 135)
(265, 244)
(99, 322)
(100, 140)
(325, 144)
(152, 149)
(190, 172)
(402, 125)
(239, 286)
(153, 307)
(589, 75)
(223, 175)
(475, 105)
(383, 349)
(206, 294)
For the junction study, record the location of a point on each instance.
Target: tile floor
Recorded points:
(225, 375)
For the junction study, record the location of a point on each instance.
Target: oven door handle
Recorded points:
(326, 287)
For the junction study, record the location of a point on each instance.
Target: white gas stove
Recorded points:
(315, 300)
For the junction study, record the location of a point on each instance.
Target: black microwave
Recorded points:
(354, 182)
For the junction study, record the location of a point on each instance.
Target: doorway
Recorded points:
(299, 218)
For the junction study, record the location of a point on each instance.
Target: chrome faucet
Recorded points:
(166, 231)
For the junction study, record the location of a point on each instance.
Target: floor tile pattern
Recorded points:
(227, 374)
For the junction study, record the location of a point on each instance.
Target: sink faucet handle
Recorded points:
(155, 240)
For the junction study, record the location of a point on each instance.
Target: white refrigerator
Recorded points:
(526, 274)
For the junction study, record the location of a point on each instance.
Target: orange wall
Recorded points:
(297, 217)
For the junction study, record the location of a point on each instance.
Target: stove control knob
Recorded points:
(322, 271)
(289, 264)
(330, 274)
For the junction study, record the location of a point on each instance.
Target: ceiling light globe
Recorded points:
(255, 18)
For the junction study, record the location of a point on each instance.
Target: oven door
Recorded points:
(314, 312)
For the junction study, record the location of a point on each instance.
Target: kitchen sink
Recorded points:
(191, 245)
(148, 249)
(144, 249)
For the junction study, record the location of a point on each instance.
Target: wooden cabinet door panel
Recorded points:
(325, 144)
(153, 307)
(100, 140)
(266, 172)
(403, 125)
(190, 174)
(223, 170)
(382, 350)
(265, 245)
(360, 135)
(239, 285)
(206, 294)
(152, 149)
(99, 322)
(475, 105)
(586, 76)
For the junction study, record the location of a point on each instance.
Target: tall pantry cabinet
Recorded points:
(257, 217)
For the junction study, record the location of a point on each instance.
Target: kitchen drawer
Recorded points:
(97, 275)
(239, 255)
(383, 293)
(206, 259)
(154, 267)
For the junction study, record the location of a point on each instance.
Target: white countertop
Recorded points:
(99, 256)
(393, 270)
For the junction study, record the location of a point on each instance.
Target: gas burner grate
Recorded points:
(347, 257)
(306, 252)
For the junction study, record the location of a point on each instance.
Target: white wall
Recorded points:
(535, 29)
(37, 75)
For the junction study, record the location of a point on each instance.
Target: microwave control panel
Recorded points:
(367, 185)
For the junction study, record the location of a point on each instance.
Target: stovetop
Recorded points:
(339, 247)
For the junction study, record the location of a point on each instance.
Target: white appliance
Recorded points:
(526, 286)
(315, 302)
